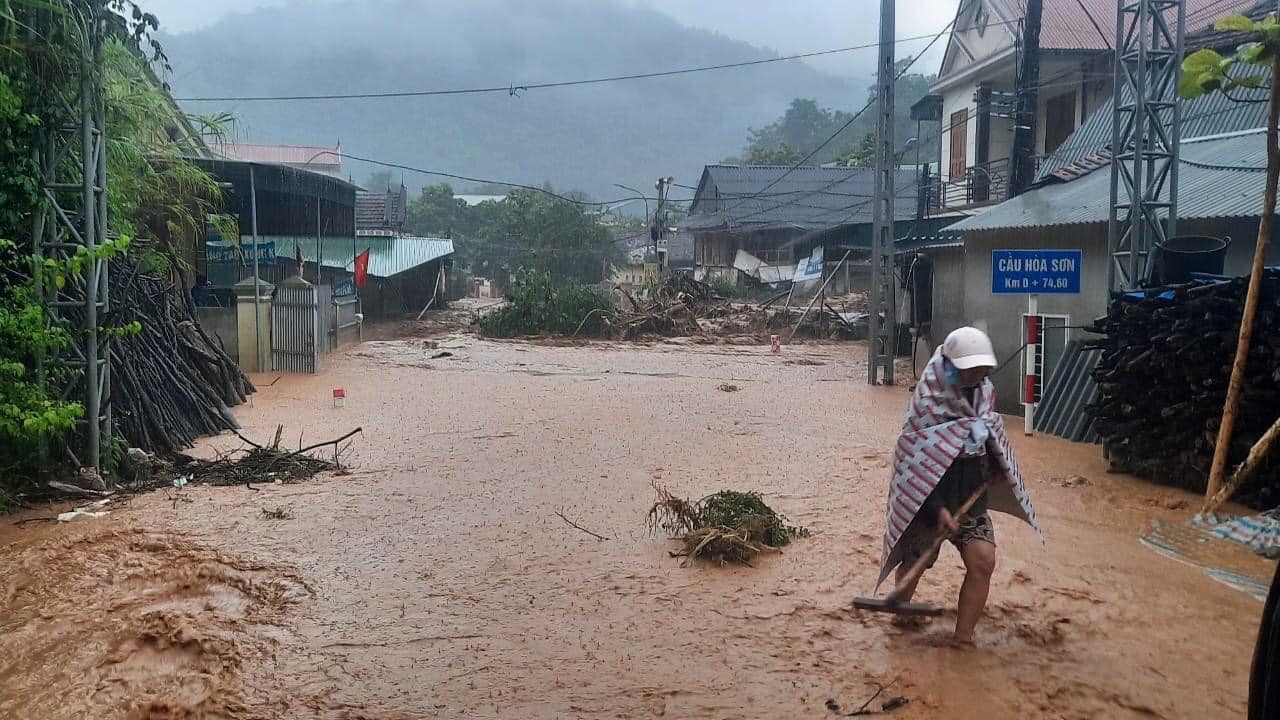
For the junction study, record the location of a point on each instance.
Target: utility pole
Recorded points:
(73, 165)
(659, 228)
(1145, 130)
(881, 325)
(1026, 102)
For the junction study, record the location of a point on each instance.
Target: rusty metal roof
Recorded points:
(1091, 24)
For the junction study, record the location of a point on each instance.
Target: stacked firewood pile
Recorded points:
(1163, 376)
(170, 382)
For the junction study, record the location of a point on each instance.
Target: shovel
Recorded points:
(892, 603)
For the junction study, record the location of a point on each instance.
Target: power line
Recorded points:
(842, 128)
(514, 89)
(455, 176)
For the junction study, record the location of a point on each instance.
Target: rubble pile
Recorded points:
(681, 306)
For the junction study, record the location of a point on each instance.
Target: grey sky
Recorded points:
(788, 26)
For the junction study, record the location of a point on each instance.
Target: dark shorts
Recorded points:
(919, 537)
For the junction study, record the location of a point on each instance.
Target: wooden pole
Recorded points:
(817, 295)
(1222, 449)
(1242, 473)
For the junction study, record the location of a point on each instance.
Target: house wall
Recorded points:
(962, 285)
(1086, 80)
(1079, 77)
(221, 326)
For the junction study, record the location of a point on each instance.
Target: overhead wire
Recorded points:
(514, 89)
(871, 101)
(522, 186)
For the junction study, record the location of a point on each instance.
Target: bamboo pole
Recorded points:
(1256, 454)
(1222, 448)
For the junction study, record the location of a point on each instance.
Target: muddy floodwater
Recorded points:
(437, 580)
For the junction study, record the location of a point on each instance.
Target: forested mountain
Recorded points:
(587, 137)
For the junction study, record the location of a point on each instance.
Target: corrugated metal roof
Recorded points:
(1067, 393)
(477, 199)
(1218, 178)
(1205, 116)
(906, 246)
(388, 256)
(309, 155)
(778, 196)
(1091, 24)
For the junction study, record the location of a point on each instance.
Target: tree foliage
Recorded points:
(805, 125)
(538, 303)
(530, 229)
(1206, 71)
(151, 190)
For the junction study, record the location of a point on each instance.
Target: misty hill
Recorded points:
(586, 137)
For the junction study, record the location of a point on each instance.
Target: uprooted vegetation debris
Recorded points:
(729, 526)
(251, 463)
(675, 306)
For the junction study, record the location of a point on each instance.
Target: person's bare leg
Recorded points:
(979, 563)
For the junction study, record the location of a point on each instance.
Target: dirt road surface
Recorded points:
(437, 580)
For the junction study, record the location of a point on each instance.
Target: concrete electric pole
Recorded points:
(882, 325)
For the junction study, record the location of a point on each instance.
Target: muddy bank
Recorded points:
(437, 580)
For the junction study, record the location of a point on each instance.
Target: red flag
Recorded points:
(362, 269)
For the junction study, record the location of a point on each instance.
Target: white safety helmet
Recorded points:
(969, 347)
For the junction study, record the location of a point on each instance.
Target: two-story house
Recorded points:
(977, 86)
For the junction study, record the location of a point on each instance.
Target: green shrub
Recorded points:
(536, 304)
(722, 287)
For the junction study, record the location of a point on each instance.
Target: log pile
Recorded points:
(1163, 375)
(170, 382)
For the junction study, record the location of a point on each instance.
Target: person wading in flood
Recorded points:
(952, 445)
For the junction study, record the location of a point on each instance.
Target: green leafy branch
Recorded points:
(1206, 71)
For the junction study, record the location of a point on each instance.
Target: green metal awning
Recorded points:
(388, 256)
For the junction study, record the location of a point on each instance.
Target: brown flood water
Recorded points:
(437, 581)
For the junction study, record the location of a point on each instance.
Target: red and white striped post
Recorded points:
(1031, 363)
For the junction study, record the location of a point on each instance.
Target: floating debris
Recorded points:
(727, 527)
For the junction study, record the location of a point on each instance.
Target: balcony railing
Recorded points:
(983, 184)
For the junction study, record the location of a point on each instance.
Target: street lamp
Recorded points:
(638, 193)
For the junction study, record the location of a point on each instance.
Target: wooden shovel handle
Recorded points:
(923, 561)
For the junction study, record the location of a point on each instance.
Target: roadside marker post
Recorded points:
(339, 397)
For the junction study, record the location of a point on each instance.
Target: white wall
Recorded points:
(962, 284)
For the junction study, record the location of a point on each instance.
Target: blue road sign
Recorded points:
(344, 288)
(1030, 272)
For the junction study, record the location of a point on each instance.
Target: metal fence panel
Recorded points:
(294, 327)
(324, 319)
(1070, 389)
(346, 326)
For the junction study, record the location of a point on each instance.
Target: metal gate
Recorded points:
(324, 319)
(347, 326)
(294, 327)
